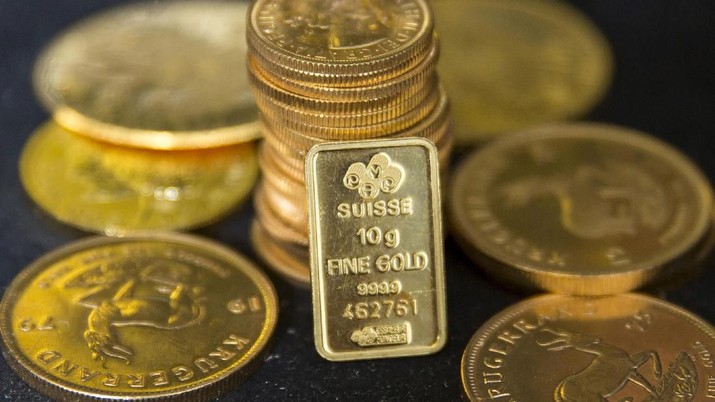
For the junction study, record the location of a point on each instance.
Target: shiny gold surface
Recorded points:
(618, 348)
(289, 260)
(115, 190)
(148, 317)
(339, 43)
(376, 254)
(512, 64)
(153, 75)
(580, 208)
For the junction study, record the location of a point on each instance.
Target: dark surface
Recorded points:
(664, 84)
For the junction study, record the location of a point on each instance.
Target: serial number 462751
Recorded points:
(380, 309)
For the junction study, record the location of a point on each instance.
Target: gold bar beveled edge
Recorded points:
(438, 236)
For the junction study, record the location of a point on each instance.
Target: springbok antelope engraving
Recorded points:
(609, 371)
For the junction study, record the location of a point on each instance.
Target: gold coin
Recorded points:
(289, 260)
(434, 127)
(153, 75)
(580, 208)
(290, 210)
(376, 254)
(287, 164)
(271, 164)
(114, 190)
(274, 225)
(142, 318)
(275, 104)
(339, 44)
(383, 128)
(389, 91)
(512, 64)
(618, 348)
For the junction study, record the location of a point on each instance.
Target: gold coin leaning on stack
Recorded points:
(582, 209)
(331, 72)
(151, 317)
(155, 90)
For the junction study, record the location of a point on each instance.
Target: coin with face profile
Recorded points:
(625, 347)
(580, 209)
(165, 75)
(115, 190)
(149, 317)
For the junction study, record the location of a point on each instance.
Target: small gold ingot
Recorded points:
(376, 249)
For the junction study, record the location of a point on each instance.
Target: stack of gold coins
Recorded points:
(335, 71)
(151, 121)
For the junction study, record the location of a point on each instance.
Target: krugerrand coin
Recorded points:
(161, 75)
(114, 190)
(150, 317)
(625, 347)
(339, 43)
(376, 251)
(583, 209)
(512, 64)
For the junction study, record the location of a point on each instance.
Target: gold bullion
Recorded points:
(377, 268)
(580, 208)
(114, 190)
(288, 259)
(619, 348)
(512, 64)
(141, 318)
(153, 75)
(339, 44)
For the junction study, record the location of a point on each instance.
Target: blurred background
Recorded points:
(663, 84)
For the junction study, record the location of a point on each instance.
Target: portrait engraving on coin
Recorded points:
(335, 24)
(342, 30)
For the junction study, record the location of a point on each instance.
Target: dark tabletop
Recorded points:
(664, 84)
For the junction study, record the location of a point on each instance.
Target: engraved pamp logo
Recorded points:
(380, 175)
(381, 335)
(159, 294)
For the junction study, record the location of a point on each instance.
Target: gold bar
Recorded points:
(376, 250)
